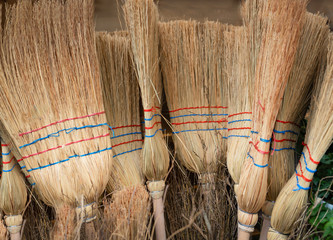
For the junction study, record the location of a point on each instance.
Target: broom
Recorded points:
(293, 197)
(190, 56)
(13, 195)
(240, 90)
(282, 21)
(52, 105)
(141, 18)
(292, 110)
(121, 101)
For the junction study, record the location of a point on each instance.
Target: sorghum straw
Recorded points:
(319, 133)
(141, 18)
(126, 215)
(294, 105)
(13, 197)
(53, 108)
(191, 56)
(282, 22)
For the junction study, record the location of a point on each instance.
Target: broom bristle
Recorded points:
(240, 90)
(293, 197)
(121, 102)
(53, 107)
(282, 22)
(141, 18)
(192, 77)
(295, 102)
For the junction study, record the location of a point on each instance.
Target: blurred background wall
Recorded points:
(226, 11)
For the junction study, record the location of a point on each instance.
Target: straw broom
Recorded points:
(292, 111)
(190, 55)
(141, 18)
(121, 101)
(282, 22)
(52, 105)
(240, 93)
(13, 195)
(293, 197)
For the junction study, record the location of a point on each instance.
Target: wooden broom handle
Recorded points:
(265, 227)
(243, 235)
(159, 219)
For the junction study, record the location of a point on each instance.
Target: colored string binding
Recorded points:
(240, 113)
(288, 122)
(200, 130)
(9, 161)
(153, 109)
(195, 122)
(147, 128)
(9, 169)
(191, 108)
(136, 149)
(307, 147)
(200, 115)
(286, 131)
(255, 164)
(153, 135)
(6, 154)
(67, 131)
(241, 120)
(61, 121)
(256, 147)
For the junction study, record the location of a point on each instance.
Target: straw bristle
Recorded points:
(282, 22)
(240, 94)
(127, 214)
(64, 227)
(141, 18)
(293, 197)
(190, 56)
(13, 191)
(51, 83)
(121, 102)
(295, 101)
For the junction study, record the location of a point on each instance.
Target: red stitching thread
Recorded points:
(286, 122)
(315, 162)
(284, 140)
(9, 161)
(256, 148)
(61, 121)
(302, 175)
(218, 121)
(4, 145)
(230, 129)
(188, 108)
(153, 125)
(136, 140)
(151, 109)
(239, 114)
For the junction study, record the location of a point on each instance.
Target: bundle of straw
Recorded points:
(240, 94)
(293, 197)
(127, 214)
(52, 105)
(190, 57)
(141, 18)
(13, 195)
(293, 108)
(282, 22)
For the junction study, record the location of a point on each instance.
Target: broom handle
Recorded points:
(15, 236)
(243, 235)
(159, 219)
(265, 227)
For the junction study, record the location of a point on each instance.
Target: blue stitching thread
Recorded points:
(242, 120)
(153, 135)
(33, 184)
(257, 165)
(250, 226)
(245, 136)
(9, 169)
(281, 149)
(254, 132)
(283, 132)
(306, 165)
(204, 115)
(6, 154)
(199, 130)
(126, 134)
(265, 140)
(127, 152)
(149, 119)
(298, 185)
(67, 131)
(67, 159)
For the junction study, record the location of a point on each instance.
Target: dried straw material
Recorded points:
(127, 214)
(13, 197)
(141, 19)
(240, 93)
(295, 102)
(190, 53)
(293, 197)
(52, 101)
(282, 22)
